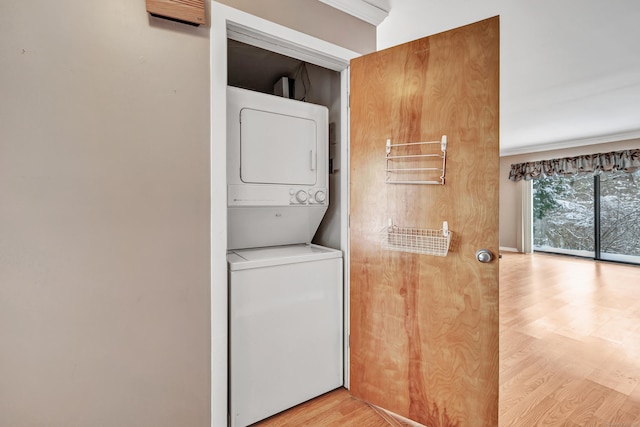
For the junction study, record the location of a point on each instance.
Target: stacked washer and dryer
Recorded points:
(285, 294)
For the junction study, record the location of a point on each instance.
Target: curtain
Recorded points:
(525, 243)
(626, 160)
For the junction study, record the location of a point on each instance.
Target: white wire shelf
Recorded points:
(413, 166)
(416, 240)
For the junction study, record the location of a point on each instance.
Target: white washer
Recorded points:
(285, 328)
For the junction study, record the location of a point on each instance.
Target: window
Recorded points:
(563, 215)
(596, 216)
(620, 216)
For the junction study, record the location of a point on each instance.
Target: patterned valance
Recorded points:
(626, 160)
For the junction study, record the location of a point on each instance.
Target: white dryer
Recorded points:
(277, 169)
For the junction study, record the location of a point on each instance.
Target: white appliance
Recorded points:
(277, 169)
(285, 328)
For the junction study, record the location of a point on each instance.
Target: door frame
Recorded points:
(227, 22)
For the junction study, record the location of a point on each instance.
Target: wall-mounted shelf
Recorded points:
(190, 12)
(416, 240)
(416, 162)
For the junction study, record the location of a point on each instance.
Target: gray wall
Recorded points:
(510, 198)
(104, 216)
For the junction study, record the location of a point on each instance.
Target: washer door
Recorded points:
(285, 335)
(277, 148)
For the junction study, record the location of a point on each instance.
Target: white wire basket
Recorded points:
(416, 240)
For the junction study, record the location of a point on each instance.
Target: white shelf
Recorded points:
(409, 164)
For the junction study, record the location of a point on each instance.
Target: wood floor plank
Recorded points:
(611, 410)
(532, 416)
(540, 386)
(594, 399)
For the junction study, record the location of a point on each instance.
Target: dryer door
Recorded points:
(277, 148)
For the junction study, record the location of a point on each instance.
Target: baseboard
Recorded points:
(506, 249)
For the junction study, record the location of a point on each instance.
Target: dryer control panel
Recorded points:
(311, 196)
(270, 195)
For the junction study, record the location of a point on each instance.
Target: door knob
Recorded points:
(484, 255)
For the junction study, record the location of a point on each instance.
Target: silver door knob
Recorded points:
(484, 255)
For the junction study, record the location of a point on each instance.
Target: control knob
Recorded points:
(320, 196)
(301, 196)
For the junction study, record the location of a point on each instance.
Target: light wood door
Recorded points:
(424, 329)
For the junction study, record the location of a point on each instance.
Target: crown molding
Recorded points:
(572, 143)
(361, 9)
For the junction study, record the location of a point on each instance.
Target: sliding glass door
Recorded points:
(620, 216)
(595, 216)
(563, 215)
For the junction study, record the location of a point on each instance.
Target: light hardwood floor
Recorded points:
(569, 342)
(335, 409)
(569, 350)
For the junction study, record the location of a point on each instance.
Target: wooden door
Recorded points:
(424, 329)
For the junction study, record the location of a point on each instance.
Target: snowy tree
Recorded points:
(564, 212)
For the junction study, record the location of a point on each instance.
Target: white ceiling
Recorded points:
(570, 69)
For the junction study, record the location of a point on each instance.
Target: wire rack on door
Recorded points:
(416, 240)
(416, 162)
